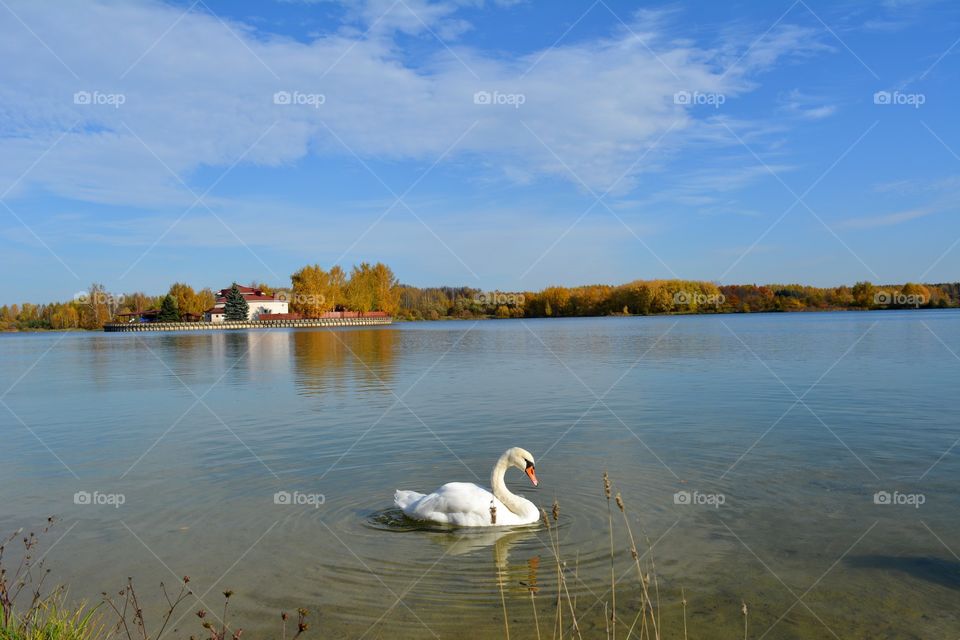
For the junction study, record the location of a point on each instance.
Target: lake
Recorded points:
(799, 463)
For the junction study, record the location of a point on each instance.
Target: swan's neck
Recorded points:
(515, 503)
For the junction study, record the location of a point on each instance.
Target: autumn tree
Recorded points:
(96, 308)
(262, 286)
(204, 299)
(311, 285)
(386, 289)
(863, 294)
(361, 289)
(185, 297)
(337, 288)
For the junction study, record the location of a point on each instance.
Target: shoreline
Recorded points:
(304, 323)
(201, 326)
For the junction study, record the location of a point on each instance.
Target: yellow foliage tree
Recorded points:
(310, 287)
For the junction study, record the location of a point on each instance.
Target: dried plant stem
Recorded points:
(647, 602)
(606, 620)
(613, 577)
(536, 622)
(559, 616)
(503, 602)
(555, 545)
(744, 610)
(683, 601)
(656, 583)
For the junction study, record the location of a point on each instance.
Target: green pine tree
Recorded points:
(236, 307)
(169, 311)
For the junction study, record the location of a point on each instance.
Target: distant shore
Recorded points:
(314, 293)
(187, 326)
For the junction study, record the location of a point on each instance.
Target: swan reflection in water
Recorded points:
(499, 541)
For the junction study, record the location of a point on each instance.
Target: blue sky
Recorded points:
(500, 144)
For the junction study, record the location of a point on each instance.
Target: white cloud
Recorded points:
(808, 107)
(885, 220)
(201, 93)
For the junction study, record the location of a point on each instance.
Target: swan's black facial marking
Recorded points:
(531, 472)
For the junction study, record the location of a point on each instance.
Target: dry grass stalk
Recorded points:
(536, 622)
(683, 601)
(561, 578)
(646, 604)
(743, 610)
(606, 619)
(613, 576)
(649, 615)
(558, 616)
(503, 602)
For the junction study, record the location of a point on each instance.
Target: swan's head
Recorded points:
(523, 460)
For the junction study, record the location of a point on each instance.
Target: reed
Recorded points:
(647, 622)
(533, 605)
(743, 610)
(646, 604)
(562, 581)
(683, 602)
(31, 611)
(613, 575)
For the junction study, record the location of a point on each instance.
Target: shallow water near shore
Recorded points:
(800, 463)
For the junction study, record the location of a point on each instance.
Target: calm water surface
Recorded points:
(792, 422)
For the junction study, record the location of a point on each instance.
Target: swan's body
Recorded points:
(465, 504)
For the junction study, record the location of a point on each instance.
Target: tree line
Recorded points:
(374, 287)
(367, 288)
(312, 291)
(652, 297)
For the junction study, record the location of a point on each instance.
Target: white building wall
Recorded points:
(267, 306)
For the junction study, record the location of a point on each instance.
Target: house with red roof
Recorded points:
(259, 303)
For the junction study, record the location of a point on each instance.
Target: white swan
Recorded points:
(465, 504)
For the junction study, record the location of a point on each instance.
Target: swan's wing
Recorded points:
(460, 503)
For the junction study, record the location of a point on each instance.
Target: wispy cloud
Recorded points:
(801, 105)
(885, 220)
(204, 91)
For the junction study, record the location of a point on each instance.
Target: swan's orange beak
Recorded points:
(532, 475)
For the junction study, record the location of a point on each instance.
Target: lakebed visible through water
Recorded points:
(800, 463)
